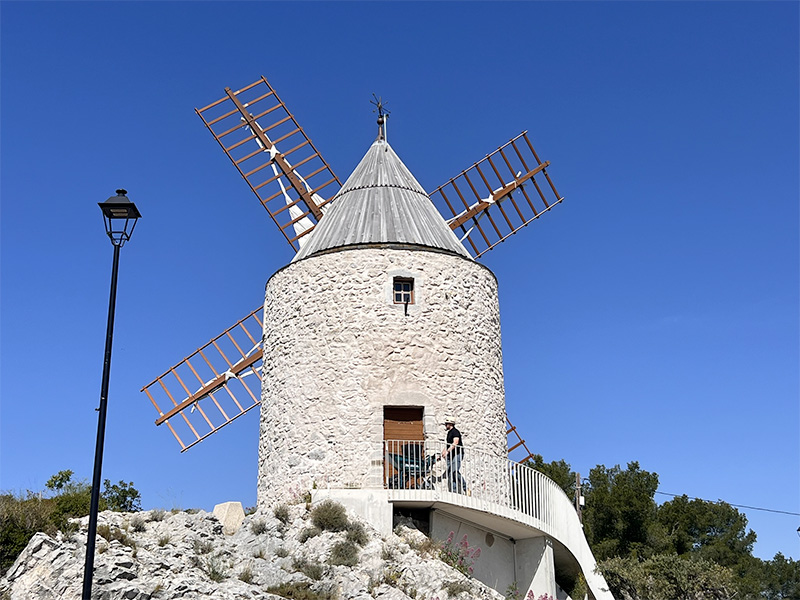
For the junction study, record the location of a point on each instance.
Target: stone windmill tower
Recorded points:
(382, 324)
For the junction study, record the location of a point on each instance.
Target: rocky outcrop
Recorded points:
(157, 555)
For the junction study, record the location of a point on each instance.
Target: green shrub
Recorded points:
(312, 570)
(512, 591)
(163, 540)
(157, 514)
(214, 569)
(259, 553)
(20, 518)
(426, 547)
(668, 576)
(460, 556)
(74, 502)
(246, 575)
(580, 589)
(121, 497)
(73, 498)
(281, 513)
(391, 576)
(307, 533)
(356, 533)
(258, 527)
(344, 553)
(115, 533)
(455, 587)
(59, 481)
(297, 591)
(330, 516)
(138, 524)
(281, 552)
(105, 531)
(203, 546)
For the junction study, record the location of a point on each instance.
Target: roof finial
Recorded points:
(383, 114)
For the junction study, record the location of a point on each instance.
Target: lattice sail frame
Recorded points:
(516, 442)
(503, 177)
(213, 386)
(294, 183)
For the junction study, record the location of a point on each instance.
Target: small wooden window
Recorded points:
(403, 290)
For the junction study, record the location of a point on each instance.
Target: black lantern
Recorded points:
(120, 216)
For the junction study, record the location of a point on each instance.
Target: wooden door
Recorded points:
(402, 427)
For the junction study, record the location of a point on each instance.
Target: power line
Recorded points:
(772, 510)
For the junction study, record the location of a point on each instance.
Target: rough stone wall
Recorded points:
(337, 350)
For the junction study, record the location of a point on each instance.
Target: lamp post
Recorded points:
(120, 216)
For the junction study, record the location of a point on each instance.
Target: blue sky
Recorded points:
(652, 316)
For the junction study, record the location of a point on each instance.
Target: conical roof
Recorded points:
(381, 202)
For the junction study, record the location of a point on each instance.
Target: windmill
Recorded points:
(483, 206)
(380, 329)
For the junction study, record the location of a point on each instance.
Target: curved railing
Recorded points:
(496, 485)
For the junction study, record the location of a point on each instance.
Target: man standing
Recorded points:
(453, 452)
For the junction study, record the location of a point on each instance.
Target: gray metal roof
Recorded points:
(381, 202)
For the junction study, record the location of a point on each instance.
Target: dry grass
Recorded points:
(329, 516)
(344, 553)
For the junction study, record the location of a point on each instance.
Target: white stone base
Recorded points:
(231, 515)
(371, 505)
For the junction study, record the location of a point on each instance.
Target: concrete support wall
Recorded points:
(503, 561)
(535, 567)
(495, 565)
(337, 350)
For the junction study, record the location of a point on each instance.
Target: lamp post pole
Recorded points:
(118, 212)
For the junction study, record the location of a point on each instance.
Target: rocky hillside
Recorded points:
(292, 552)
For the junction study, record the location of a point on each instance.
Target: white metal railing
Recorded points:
(414, 465)
(414, 470)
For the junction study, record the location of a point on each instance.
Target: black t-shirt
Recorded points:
(451, 436)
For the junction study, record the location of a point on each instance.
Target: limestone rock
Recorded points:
(231, 515)
(158, 556)
(387, 592)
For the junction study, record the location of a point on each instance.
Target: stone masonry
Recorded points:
(337, 350)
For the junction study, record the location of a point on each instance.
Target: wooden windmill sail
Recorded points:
(498, 195)
(274, 156)
(483, 205)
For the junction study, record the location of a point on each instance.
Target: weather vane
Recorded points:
(380, 108)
